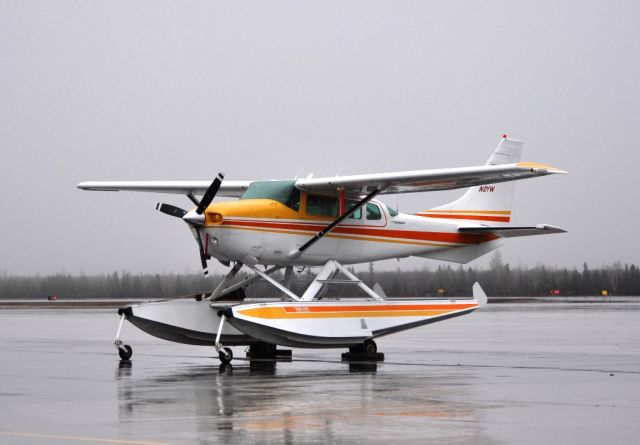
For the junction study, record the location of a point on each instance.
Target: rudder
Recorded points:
(489, 203)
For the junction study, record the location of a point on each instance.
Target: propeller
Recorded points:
(210, 193)
(203, 257)
(171, 210)
(193, 221)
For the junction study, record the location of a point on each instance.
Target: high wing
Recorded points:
(387, 183)
(427, 180)
(231, 189)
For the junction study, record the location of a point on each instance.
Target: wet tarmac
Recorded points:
(511, 373)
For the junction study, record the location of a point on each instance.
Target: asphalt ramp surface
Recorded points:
(511, 373)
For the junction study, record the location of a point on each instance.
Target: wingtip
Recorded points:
(542, 168)
(88, 185)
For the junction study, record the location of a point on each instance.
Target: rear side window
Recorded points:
(373, 212)
(358, 213)
(392, 212)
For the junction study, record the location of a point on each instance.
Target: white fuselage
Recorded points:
(271, 241)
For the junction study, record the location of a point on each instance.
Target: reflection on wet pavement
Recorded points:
(248, 398)
(517, 373)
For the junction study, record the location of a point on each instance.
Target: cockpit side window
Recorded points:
(322, 205)
(294, 200)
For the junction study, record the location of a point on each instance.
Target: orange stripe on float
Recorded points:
(378, 307)
(336, 312)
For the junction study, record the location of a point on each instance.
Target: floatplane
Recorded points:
(328, 223)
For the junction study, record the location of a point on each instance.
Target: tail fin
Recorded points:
(485, 203)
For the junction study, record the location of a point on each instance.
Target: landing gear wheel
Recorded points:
(225, 355)
(125, 352)
(370, 348)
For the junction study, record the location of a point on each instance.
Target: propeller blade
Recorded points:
(210, 194)
(171, 210)
(203, 257)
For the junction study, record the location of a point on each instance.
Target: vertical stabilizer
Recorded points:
(485, 204)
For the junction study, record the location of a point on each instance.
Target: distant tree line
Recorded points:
(499, 279)
(504, 281)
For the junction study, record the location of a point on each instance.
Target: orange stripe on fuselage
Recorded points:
(349, 237)
(382, 233)
(470, 217)
(469, 211)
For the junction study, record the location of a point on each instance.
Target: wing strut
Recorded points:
(296, 253)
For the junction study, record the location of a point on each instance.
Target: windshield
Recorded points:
(392, 212)
(284, 192)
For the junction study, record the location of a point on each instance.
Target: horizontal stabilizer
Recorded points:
(511, 232)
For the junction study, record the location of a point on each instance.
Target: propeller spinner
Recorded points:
(196, 220)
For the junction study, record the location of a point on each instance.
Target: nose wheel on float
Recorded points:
(124, 351)
(225, 355)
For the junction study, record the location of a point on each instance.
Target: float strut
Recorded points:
(225, 354)
(118, 342)
(217, 345)
(124, 351)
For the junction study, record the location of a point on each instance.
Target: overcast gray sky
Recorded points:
(118, 90)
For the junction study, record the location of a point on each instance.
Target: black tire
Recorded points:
(125, 352)
(225, 355)
(370, 348)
